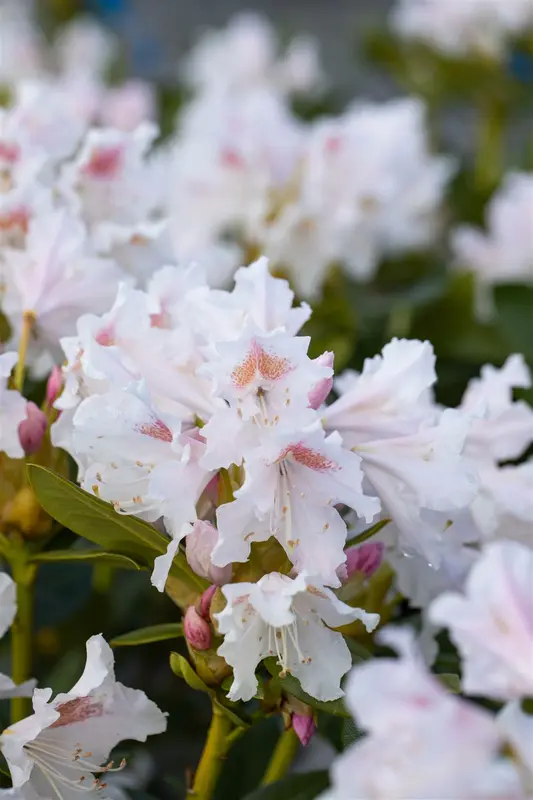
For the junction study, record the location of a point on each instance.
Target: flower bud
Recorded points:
(199, 546)
(364, 558)
(204, 605)
(54, 386)
(32, 429)
(320, 390)
(304, 727)
(197, 630)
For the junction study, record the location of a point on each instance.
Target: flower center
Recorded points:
(70, 770)
(280, 643)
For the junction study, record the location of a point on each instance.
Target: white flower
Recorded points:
(57, 751)
(423, 743)
(243, 56)
(266, 379)
(291, 619)
(503, 507)
(505, 252)
(56, 278)
(389, 398)
(517, 727)
(112, 180)
(12, 409)
(368, 186)
(422, 480)
(293, 479)
(504, 428)
(460, 28)
(491, 623)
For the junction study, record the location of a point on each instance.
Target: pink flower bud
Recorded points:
(54, 386)
(304, 727)
(205, 601)
(200, 544)
(320, 390)
(32, 429)
(364, 558)
(197, 630)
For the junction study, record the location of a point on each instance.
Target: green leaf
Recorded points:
(367, 534)
(350, 732)
(97, 521)
(295, 787)
(153, 633)
(514, 305)
(451, 682)
(291, 685)
(84, 557)
(181, 667)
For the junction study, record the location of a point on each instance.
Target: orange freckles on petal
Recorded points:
(243, 375)
(156, 430)
(312, 459)
(270, 366)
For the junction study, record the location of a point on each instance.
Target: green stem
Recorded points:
(27, 324)
(282, 757)
(215, 750)
(22, 636)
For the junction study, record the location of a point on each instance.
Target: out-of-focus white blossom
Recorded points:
(244, 56)
(422, 742)
(491, 624)
(504, 253)
(8, 610)
(457, 28)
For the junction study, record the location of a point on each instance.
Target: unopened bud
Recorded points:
(54, 386)
(32, 429)
(364, 558)
(320, 390)
(200, 544)
(304, 727)
(197, 630)
(204, 606)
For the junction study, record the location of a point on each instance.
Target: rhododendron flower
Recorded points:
(389, 398)
(66, 742)
(491, 623)
(293, 479)
(423, 743)
(290, 619)
(56, 278)
(266, 379)
(12, 409)
(421, 479)
(504, 428)
(505, 253)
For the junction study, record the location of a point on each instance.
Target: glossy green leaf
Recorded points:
(97, 521)
(295, 787)
(153, 633)
(86, 557)
(291, 685)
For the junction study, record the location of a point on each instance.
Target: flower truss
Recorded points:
(158, 349)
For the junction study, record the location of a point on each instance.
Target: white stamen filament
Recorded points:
(283, 638)
(50, 758)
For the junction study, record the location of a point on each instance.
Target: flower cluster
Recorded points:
(153, 300)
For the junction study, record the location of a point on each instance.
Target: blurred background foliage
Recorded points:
(415, 296)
